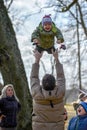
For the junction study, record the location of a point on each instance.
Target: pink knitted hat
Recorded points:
(46, 19)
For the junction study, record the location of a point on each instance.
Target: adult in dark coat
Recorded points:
(48, 106)
(9, 108)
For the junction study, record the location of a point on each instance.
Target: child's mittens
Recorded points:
(63, 47)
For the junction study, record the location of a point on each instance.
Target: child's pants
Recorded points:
(49, 50)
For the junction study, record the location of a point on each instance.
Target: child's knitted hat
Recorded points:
(84, 105)
(46, 19)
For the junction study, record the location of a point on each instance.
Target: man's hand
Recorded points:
(35, 40)
(59, 41)
(37, 56)
(55, 54)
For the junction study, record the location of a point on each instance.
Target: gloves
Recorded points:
(63, 47)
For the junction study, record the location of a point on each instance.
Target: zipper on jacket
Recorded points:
(51, 103)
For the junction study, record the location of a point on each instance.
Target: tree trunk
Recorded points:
(12, 68)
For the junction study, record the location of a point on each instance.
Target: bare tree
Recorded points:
(12, 68)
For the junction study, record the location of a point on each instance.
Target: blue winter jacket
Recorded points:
(9, 107)
(78, 123)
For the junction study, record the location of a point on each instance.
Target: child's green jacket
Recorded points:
(45, 38)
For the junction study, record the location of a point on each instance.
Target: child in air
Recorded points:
(44, 35)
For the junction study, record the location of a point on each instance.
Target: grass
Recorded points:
(71, 113)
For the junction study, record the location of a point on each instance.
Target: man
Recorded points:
(81, 97)
(48, 107)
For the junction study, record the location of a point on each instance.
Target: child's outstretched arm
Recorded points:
(59, 36)
(35, 36)
(60, 39)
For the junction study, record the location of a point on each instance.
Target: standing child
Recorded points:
(44, 35)
(79, 122)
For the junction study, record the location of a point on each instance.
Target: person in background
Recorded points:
(81, 97)
(44, 35)
(65, 115)
(79, 122)
(48, 105)
(9, 108)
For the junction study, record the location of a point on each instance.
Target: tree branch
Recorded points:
(69, 6)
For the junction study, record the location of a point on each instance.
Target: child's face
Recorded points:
(80, 110)
(47, 27)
